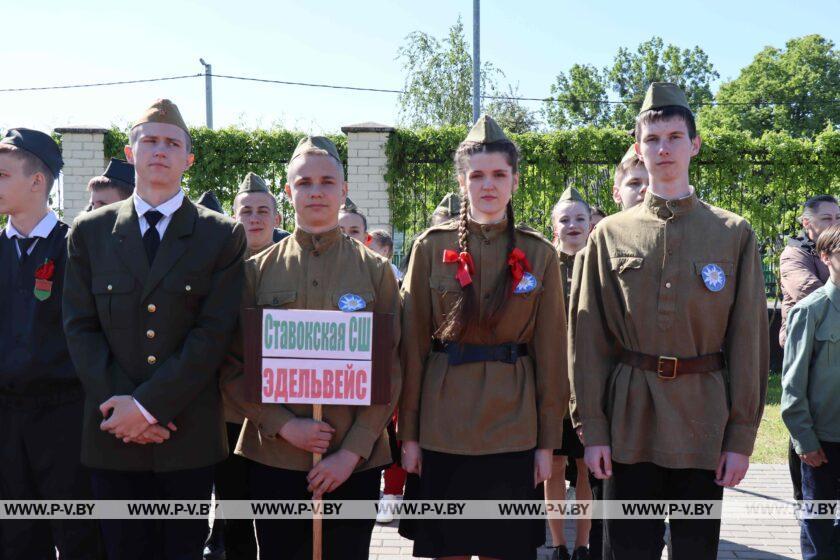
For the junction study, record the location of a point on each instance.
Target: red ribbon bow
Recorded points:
(519, 265)
(45, 271)
(466, 266)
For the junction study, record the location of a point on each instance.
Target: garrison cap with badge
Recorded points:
(486, 131)
(349, 206)
(309, 144)
(163, 111)
(253, 183)
(120, 170)
(38, 144)
(664, 94)
(572, 194)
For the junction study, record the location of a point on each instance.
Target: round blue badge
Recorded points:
(713, 277)
(527, 284)
(351, 302)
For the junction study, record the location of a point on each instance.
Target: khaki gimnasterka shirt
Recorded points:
(482, 408)
(306, 271)
(567, 262)
(232, 414)
(642, 288)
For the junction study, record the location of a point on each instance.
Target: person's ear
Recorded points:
(276, 219)
(638, 149)
(695, 145)
(616, 196)
(825, 258)
(190, 160)
(129, 154)
(288, 190)
(515, 183)
(345, 188)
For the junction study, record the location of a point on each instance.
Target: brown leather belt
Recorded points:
(667, 367)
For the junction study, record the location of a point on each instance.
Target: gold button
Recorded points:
(188, 288)
(110, 287)
(151, 308)
(152, 360)
(150, 333)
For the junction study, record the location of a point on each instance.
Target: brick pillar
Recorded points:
(366, 167)
(83, 151)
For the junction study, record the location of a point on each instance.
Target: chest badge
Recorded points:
(351, 302)
(43, 280)
(713, 277)
(526, 285)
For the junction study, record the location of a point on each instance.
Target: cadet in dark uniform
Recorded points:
(315, 268)
(484, 354)
(669, 343)
(151, 300)
(115, 184)
(40, 394)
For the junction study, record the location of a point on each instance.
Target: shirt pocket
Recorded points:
(351, 299)
(187, 292)
(631, 278)
(284, 299)
(827, 347)
(445, 291)
(115, 298)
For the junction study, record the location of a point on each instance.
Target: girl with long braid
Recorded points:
(484, 354)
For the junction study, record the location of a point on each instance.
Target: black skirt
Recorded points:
(572, 447)
(347, 539)
(502, 476)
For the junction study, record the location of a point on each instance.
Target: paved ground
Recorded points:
(764, 539)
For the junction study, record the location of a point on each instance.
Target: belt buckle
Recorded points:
(504, 354)
(659, 369)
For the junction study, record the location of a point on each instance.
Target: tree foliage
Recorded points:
(806, 71)
(438, 83)
(579, 98)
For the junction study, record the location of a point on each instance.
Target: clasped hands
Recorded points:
(314, 436)
(127, 423)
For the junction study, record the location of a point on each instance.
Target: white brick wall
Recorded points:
(366, 167)
(83, 151)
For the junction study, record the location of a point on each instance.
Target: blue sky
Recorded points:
(343, 42)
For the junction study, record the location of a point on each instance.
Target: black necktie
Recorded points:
(24, 243)
(151, 239)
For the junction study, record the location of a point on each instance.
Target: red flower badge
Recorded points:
(43, 280)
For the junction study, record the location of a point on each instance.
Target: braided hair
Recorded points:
(465, 313)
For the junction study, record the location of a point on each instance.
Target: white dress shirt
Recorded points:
(167, 209)
(41, 231)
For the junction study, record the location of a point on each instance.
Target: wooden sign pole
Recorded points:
(317, 520)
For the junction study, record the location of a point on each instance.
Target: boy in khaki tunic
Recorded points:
(669, 344)
(315, 268)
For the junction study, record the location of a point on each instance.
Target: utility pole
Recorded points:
(208, 91)
(476, 104)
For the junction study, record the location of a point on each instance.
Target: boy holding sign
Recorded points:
(320, 269)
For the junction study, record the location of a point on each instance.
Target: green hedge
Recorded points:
(763, 179)
(224, 156)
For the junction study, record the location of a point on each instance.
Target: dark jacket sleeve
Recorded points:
(183, 376)
(90, 351)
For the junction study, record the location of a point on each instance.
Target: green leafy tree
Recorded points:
(438, 83)
(653, 61)
(578, 99)
(512, 115)
(806, 72)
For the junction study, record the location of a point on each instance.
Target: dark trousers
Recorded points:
(820, 538)
(142, 539)
(641, 539)
(596, 530)
(40, 446)
(289, 539)
(795, 467)
(234, 536)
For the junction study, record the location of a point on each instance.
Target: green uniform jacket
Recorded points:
(811, 372)
(158, 334)
(313, 271)
(646, 285)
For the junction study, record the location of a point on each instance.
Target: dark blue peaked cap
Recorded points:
(38, 144)
(120, 170)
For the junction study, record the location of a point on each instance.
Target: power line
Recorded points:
(98, 84)
(759, 102)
